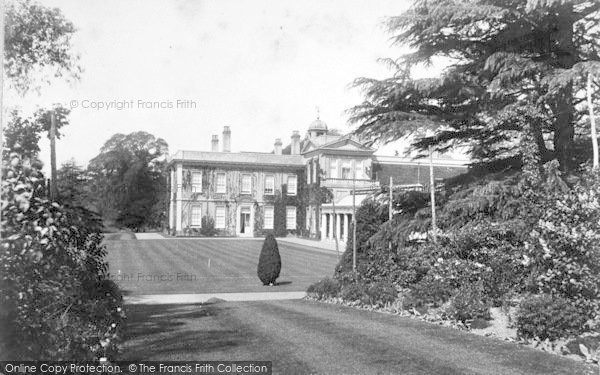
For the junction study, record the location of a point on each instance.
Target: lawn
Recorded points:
(209, 266)
(304, 337)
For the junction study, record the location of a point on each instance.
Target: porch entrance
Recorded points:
(245, 227)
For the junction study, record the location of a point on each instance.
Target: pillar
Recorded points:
(338, 227)
(330, 233)
(179, 199)
(323, 227)
(346, 228)
(172, 189)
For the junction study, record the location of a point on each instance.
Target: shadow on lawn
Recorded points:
(174, 332)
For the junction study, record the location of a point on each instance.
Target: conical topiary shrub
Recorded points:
(269, 262)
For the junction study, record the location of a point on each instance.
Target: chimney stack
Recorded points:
(295, 143)
(278, 145)
(214, 143)
(226, 139)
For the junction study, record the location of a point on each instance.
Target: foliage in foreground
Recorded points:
(531, 236)
(57, 300)
(545, 316)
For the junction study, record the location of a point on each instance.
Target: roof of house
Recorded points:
(254, 158)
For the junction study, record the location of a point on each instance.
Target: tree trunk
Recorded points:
(563, 107)
(592, 123)
(53, 188)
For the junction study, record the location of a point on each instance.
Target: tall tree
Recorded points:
(129, 178)
(510, 62)
(37, 42)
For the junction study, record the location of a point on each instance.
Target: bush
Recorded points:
(269, 262)
(353, 292)
(323, 289)
(564, 246)
(208, 226)
(549, 317)
(380, 293)
(369, 217)
(56, 301)
(376, 293)
(468, 303)
(431, 291)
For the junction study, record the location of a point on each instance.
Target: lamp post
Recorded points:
(354, 221)
(432, 195)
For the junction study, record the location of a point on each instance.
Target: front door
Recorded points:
(245, 218)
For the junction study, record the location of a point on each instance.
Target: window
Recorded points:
(246, 184)
(196, 216)
(292, 187)
(221, 183)
(269, 185)
(346, 172)
(268, 224)
(358, 168)
(220, 217)
(333, 169)
(290, 218)
(196, 182)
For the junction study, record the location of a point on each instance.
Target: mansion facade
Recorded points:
(249, 194)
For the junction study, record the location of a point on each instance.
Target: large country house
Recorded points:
(305, 189)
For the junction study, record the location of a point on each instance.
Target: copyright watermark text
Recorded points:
(132, 104)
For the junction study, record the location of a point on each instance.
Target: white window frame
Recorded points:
(218, 189)
(288, 218)
(272, 177)
(249, 177)
(358, 170)
(269, 220)
(295, 178)
(197, 224)
(196, 185)
(219, 225)
(349, 175)
(333, 169)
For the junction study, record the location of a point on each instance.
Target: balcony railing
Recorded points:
(349, 183)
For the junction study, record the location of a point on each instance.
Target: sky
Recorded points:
(261, 67)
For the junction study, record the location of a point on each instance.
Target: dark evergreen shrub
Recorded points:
(326, 288)
(549, 317)
(269, 262)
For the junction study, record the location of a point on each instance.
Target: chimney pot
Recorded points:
(226, 139)
(214, 143)
(278, 145)
(295, 149)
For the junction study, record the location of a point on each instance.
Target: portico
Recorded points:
(338, 224)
